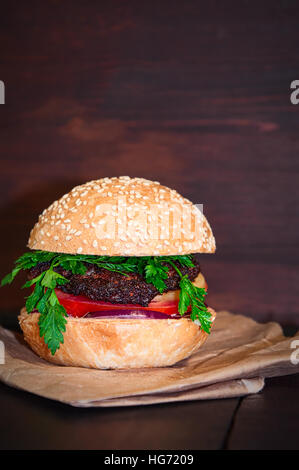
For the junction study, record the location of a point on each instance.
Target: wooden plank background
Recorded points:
(193, 94)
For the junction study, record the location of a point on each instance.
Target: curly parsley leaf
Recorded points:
(51, 279)
(73, 265)
(10, 277)
(33, 299)
(193, 295)
(52, 324)
(156, 273)
(184, 301)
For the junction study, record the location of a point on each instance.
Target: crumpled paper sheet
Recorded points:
(234, 361)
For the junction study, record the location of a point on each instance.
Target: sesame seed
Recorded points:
(80, 249)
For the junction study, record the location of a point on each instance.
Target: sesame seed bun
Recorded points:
(122, 217)
(118, 344)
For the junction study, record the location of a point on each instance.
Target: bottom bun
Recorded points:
(118, 343)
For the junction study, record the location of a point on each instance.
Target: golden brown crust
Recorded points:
(118, 343)
(123, 217)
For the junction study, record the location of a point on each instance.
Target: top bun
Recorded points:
(122, 217)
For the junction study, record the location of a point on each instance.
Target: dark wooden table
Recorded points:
(268, 420)
(196, 95)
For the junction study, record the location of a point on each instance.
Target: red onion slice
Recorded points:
(132, 314)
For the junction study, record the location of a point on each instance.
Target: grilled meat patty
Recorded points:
(107, 286)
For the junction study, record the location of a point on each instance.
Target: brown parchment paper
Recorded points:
(234, 361)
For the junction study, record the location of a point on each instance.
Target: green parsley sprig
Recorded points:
(154, 269)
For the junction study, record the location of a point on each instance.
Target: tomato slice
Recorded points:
(79, 305)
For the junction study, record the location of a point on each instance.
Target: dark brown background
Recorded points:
(193, 94)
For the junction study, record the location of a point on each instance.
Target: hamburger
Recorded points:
(114, 277)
